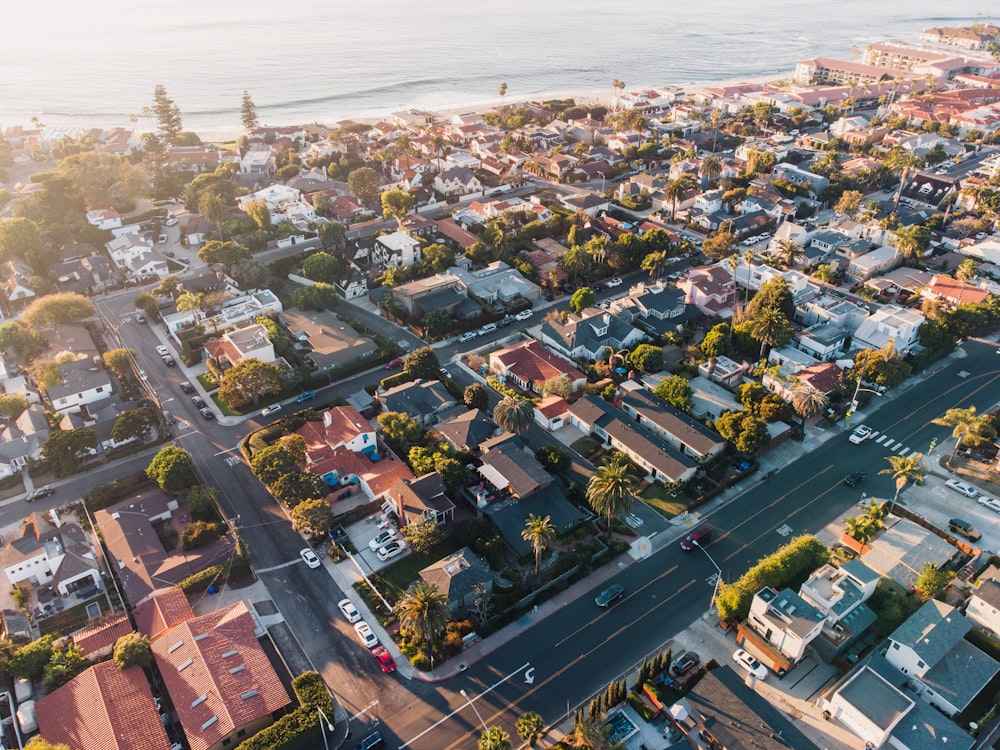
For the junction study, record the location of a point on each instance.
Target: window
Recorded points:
(895, 646)
(227, 742)
(920, 664)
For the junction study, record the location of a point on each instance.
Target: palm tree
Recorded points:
(538, 531)
(769, 327)
(968, 428)
(711, 168)
(513, 414)
(904, 469)
(611, 488)
(503, 92)
(859, 529)
(913, 241)
(654, 262)
(790, 251)
(966, 271)
(902, 162)
(424, 610)
(677, 189)
(188, 302)
(808, 402)
(494, 738)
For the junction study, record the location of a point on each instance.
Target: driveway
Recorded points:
(363, 532)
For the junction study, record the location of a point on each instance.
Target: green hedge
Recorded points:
(506, 390)
(802, 554)
(109, 493)
(201, 581)
(299, 730)
(312, 692)
(398, 379)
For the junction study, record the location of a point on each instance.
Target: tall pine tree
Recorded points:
(168, 116)
(248, 115)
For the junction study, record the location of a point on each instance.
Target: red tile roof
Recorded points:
(533, 363)
(103, 708)
(379, 476)
(552, 406)
(163, 610)
(954, 291)
(101, 636)
(218, 676)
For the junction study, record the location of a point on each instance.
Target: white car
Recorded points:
(162, 350)
(272, 409)
(861, 434)
(750, 664)
(349, 610)
(310, 558)
(142, 375)
(170, 222)
(989, 502)
(523, 315)
(382, 539)
(390, 550)
(364, 631)
(468, 336)
(962, 488)
(614, 282)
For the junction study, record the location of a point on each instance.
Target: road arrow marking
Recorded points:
(529, 676)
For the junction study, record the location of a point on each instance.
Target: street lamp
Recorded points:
(325, 725)
(489, 738)
(718, 572)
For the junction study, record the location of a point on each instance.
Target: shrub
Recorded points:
(312, 692)
(108, 493)
(197, 533)
(201, 581)
(453, 643)
(132, 649)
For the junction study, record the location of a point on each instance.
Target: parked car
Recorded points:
(162, 350)
(170, 222)
(168, 360)
(382, 539)
(140, 318)
(988, 502)
(468, 336)
(364, 631)
(198, 401)
(523, 315)
(142, 375)
(384, 659)
(488, 328)
(394, 364)
(854, 478)
(966, 529)
(310, 558)
(373, 741)
(391, 550)
(685, 663)
(349, 610)
(161, 239)
(269, 410)
(861, 434)
(750, 664)
(206, 413)
(612, 283)
(697, 538)
(305, 396)
(186, 387)
(610, 595)
(962, 488)
(39, 492)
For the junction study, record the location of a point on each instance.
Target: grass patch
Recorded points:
(665, 502)
(585, 445)
(70, 619)
(406, 571)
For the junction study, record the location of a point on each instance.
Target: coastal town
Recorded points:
(665, 422)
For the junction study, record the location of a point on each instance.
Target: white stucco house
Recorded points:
(396, 249)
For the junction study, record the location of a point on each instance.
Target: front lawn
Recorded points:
(401, 574)
(664, 501)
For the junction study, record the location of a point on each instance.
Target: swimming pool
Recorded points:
(621, 727)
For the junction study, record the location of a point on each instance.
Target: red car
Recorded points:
(384, 659)
(394, 364)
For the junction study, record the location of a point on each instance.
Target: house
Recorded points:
(97, 639)
(665, 464)
(550, 412)
(351, 282)
(902, 550)
(462, 577)
(457, 181)
(249, 342)
(343, 450)
(954, 292)
(81, 383)
(104, 218)
(685, 434)
(259, 161)
(420, 499)
(945, 670)
(822, 341)
(455, 236)
(710, 289)
(89, 275)
(51, 551)
(396, 249)
(467, 431)
(786, 622)
(589, 334)
(530, 366)
(275, 197)
(655, 307)
(219, 678)
(840, 595)
(325, 340)
(984, 605)
(424, 400)
(133, 255)
(439, 292)
(103, 708)
(891, 322)
(724, 371)
(873, 263)
(23, 440)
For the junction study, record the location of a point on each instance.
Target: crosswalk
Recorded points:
(892, 444)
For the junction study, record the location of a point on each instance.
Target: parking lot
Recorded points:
(938, 504)
(363, 532)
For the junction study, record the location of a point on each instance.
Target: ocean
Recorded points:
(95, 64)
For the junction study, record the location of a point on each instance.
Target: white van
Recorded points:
(488, 328)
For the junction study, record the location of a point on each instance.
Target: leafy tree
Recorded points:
(226, 253)
(271, 463)
(168, 117)
(248, 113)
(12, 405)
(332, 235)
(319, 296)
(513, 414)
(199, 533)
(647, 358)
(905, 469)
(172, 468)
(452, 471)
(476, 397)
(437, 323)
(849, 203)
(494, 738)
(611, 488)
(29, 660)
(422, 535)
(676, 391)
(65, 307)
(65, 664)
(119, 360)
(321, 267)
(22, 341)
(932, 581)
(202, 502)
(396, 204)
(135, 423)
(424, 611)
(771, 328)
(296, 486)
(312, 516)
(558, 385)
(20, 238)
(582, 299)
(64, 449)
(717, 341)
(422, 363)
(719, 245)
(248, 381)
(296, 447)
(555, 459)
(399, 429)
(437, 258)
(773, 295)
(132, 650)
(364, 185)
(40, 743)
(261, 215)
(104, 179)
(745, 430)
(968, 428)
(538, 531)
(249, 274)
(530, 727)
